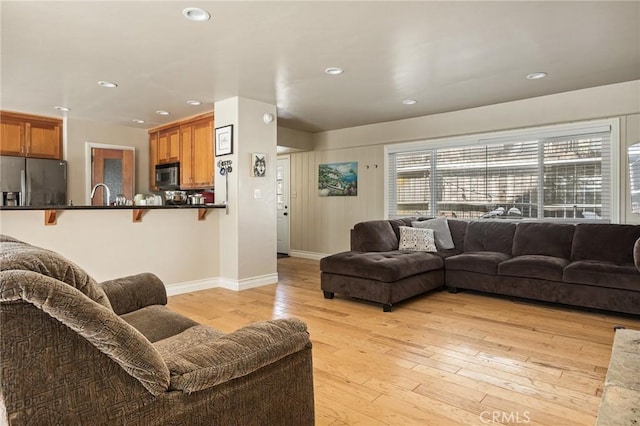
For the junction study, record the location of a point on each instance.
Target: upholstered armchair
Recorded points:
(73, 351)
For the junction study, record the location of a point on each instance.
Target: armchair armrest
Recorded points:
(128, 294)
(227, 357)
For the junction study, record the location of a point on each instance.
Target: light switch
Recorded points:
(257, 193)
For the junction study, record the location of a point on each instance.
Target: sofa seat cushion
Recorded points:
(534, 266)
(387, 267)
(603, 274)
(484, 262)
(157, 322)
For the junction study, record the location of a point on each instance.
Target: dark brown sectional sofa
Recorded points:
(588, 265)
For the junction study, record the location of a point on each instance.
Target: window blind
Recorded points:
(535, 175)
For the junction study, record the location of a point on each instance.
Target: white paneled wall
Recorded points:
(322, 224)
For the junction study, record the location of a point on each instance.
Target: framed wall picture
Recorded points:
(338, 179)
(258, 164)
(224, 140)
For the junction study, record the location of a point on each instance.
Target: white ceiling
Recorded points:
(446, 55)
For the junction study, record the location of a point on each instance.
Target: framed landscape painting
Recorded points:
(338, 179)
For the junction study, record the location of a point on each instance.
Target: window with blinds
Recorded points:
(536, 175)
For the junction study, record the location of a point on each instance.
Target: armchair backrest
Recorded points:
(66, 293)
(94, 323)
(18, 255)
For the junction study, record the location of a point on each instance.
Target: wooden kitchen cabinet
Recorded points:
(196, 145)
(153, 160)
(169, 145)
(189, 142)
(27, 135)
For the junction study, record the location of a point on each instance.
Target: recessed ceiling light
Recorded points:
(61, 108)
(194, 102)
(107, 84)
(536, 75)
(138, 121)
(334, 71)
(196, 14)
(409, 102)
(160, 112)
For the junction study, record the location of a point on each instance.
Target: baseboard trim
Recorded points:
(226, 283)
(190, 286)
(247, 283)
(307, 254)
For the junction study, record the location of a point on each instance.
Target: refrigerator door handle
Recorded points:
(23, 186)
(26, 187)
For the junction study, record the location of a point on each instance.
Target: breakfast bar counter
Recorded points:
(50, 212)
(180, 244)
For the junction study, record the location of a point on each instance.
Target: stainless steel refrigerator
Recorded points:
(32, 181)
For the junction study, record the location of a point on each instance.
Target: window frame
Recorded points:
(537, 132)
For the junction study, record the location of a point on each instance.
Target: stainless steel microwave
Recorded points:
(168, 176)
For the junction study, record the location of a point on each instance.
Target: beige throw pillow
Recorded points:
(416, 239)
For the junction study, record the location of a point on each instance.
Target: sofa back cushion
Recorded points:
(458, 229)
(543, 238)
(18, 255)
(496, 236)
(374, 235)
(604, 241)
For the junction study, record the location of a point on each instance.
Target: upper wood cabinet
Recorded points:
(196, 154)
(188, 141)
(27, 135)
(153, 160)
(169, 145)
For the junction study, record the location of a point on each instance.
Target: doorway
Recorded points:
(113, 166)
(282, 204)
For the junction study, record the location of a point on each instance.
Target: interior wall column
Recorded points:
(248, 238)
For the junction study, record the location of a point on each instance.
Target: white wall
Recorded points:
(290, 140)
(172, 244)
(321, 225)
(248, 231)
(78, 132)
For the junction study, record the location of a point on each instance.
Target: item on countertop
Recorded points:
(176, 197)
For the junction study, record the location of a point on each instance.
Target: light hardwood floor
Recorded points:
(437, 359)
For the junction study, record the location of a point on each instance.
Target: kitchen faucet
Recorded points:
(93, 191)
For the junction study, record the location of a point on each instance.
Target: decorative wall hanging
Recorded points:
(224, 140)
(338, 179)
(258, 164)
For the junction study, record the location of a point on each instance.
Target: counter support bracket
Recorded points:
(137, 215)
(50, 217)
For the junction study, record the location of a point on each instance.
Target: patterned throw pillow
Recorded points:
(417, 239)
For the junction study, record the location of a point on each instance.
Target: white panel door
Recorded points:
(282, 204)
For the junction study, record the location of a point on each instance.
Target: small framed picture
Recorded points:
(258, 164)
(224, 140)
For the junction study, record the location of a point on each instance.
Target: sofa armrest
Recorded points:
(636, 254)
(128, 294)
(227, 357)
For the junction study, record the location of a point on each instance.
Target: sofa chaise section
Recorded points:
(376, 271)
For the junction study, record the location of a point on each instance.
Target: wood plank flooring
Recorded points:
(437, 359)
